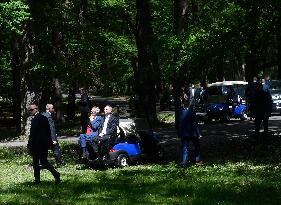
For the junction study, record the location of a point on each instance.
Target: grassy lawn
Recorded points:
(216, 183)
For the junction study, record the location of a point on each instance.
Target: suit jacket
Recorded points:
(186, 123)
(95, 125)
(40, 134)
(52, 125)
(262, 104)
(112, 124)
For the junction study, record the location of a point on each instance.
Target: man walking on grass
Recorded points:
(39, 142)
(55, 145)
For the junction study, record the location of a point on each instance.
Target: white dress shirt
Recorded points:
(105, 125)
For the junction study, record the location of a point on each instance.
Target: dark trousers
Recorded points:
(185, 149)
(40, 157)
(84, 121)
(258, 121)
(57, 153)
(104, 144)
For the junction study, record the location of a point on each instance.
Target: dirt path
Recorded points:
(231, 141)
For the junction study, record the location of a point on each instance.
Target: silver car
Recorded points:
(275, 91)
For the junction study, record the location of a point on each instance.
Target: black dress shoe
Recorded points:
(57, 179)
(36, 182)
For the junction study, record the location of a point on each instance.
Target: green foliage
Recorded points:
(5, 77)
(142, 184)
(166, 117)
(13, 14)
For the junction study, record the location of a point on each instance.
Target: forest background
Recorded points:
(120, 47)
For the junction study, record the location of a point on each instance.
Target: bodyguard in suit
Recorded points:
(55, 144)
(108, 130)
(39, 142)
(187, 130)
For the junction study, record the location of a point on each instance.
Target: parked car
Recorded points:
(275, 91)
(226, 100)
(131, 146)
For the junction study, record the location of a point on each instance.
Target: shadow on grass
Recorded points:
(8, 134)
(162, 185)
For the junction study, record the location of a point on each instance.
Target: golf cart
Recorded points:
(132, 145)
(226, 100)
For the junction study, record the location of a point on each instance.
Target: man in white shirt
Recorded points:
(107, 136)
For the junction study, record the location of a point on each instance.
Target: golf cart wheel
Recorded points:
(122, 160)
(244, 116)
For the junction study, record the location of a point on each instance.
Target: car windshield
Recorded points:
(216, 94)
(219, 93)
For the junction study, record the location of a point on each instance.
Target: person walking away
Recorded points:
(188, 131)
(92, 132)
(262, 107)
(84, 109)
(50, 111)
(39, 142)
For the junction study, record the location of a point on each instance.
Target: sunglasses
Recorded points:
(32, 109)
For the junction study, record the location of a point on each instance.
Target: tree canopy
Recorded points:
(119, 47)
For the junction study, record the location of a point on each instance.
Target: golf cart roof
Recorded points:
(225, 83)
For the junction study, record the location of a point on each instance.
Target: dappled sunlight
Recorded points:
(149, 184)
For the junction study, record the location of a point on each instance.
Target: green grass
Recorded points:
(166, 117)
(226, 183)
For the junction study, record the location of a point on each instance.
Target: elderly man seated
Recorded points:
(108, 131)
(92, 132)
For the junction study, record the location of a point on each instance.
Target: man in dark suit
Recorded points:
(262, 108)
(108, 130)
(39, 142)
(55, 145)
(187, 130)
(84, 109)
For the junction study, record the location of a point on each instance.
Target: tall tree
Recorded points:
(180, 23)
(147, 61)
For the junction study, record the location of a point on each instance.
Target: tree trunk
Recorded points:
(147, 63)
(71, 101)
(251, 69)
(219, 69)
(195, 12)
(16, 73)
(21, 54)
(279, 58)
(180, 75)
(57, 99)
(279, 47)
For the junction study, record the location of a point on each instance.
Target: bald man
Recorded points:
(55, 145)
(108, 130)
